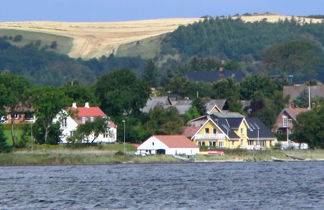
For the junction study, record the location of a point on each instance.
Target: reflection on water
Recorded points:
(165, 186)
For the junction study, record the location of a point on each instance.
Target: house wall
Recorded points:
(210, 140)
(278, 125)
(151, 145)
(71, 126)
(242, 133)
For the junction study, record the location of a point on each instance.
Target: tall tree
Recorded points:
(48, 101)
(200, 106)
(13, 98)
(164, 121)
(310, 128)
(121, 92)
(229, 90)
(79, 93)
(151, 74)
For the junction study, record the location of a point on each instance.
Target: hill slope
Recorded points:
(92, 40)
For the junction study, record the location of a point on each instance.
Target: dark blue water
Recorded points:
(266, 185)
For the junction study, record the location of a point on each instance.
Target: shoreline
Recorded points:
(104, 157)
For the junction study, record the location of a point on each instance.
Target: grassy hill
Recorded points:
(95, 39)
(64, 44)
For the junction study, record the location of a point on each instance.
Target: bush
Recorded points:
(18, 38)
(120, 153)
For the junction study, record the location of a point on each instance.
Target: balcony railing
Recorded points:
(209, 136)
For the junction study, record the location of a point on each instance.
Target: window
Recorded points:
(106, 134)
(242, 142)
(72, 133)
(206, 130)
(285, 121)
(64, 123)
(250, 142)
(262, 143)
(221, 144)
(91, 119)
(233, 143)
(203, 144)
(214, 131)
(242, 131)
(152, 143)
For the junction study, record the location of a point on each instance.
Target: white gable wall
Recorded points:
(152, 144)
(71, 126)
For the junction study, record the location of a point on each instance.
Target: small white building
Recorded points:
(74, 116)
(168, 145)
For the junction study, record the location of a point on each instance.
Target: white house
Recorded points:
(168, 145)
(80, 115)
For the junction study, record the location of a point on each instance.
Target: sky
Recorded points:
(121, 10)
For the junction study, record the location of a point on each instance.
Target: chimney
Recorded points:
(74, 105)
(86, 105)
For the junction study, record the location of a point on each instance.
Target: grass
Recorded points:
(265, 155)
(147, 48)
(64, 44)
(107, 154)
(77, 158)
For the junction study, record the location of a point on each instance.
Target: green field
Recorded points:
(64, 44)
(147, 48)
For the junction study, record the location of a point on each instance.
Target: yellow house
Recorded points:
(231, 130)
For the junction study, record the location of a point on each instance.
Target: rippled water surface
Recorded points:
(295, 185)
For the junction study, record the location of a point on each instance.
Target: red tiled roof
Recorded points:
(176, 141)
(293, 112)
(88, 112)
(190, 131)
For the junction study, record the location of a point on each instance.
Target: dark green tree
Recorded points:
(121, 92)
(302, 100)
(200, 106)
(192, 113)
(13, 98)
(79, 93)
(299, 57)
(47, 101)
(310, 128)
(229, 90)
(151, 74)
(164, 121)
(90, 131)
(250, 85)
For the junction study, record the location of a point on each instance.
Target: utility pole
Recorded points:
(124, 134)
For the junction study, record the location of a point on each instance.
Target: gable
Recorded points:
(152, 143)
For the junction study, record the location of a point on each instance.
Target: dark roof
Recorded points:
(258, 130)
(210, 103)
(212, 76)
(295, 90)
(228, 122)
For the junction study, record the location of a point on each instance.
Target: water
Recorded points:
(265, 185)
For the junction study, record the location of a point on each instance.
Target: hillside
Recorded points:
(92, 40)
(150, 48)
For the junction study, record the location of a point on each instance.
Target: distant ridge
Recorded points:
(95, 39)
